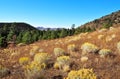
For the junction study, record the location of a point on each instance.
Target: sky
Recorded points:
(56, 13)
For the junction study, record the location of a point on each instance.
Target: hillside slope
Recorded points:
(96, 49)
(107, 21)
(104, 67)
(17, 32)
(18, 26)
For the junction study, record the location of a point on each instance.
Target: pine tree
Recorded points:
(35, 36)
(1, 41)
(19, 38)
(10, 35)
(27, 37)
(63, 33)
(11, 32)
(53, 34)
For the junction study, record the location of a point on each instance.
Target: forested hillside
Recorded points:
(25, 33)
(16, 32)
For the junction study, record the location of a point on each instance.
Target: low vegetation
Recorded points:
(34, 50)
(59, 52)
(24, 60)
(118, 46)
(34, 70)
(63, 63)
(84, 59)
(71, 48)
(4, 71)
(89, 48)
(105, 52)
(81, 74)
(42, 58)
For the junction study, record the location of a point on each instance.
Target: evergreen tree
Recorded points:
(19, 38)
(10, 35)
(27, 37)
(11, 32)
(5, 30)
(53, 34)
(63, 33)
(107, 25)
(1, 41)
(48, 34)
(44, 35)
(35, 36)
(40, 35)
(77, 30)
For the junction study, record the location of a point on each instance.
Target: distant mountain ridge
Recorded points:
(18, 25)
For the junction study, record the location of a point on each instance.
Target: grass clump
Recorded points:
(63, 62)
(4, 71)
(34, 70)
(56, 65)
(100, 37)
(118, 46)
(24, 60)
(84, 59)
(81, 74)
(42, 58)
(34, 50)
(71, 48)
(88, 48)
(104, 52)
(59, 52)
(66, 68)
(21, 44)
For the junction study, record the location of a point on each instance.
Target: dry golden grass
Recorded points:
(104, 68)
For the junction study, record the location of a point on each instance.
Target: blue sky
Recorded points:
(55, 13)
